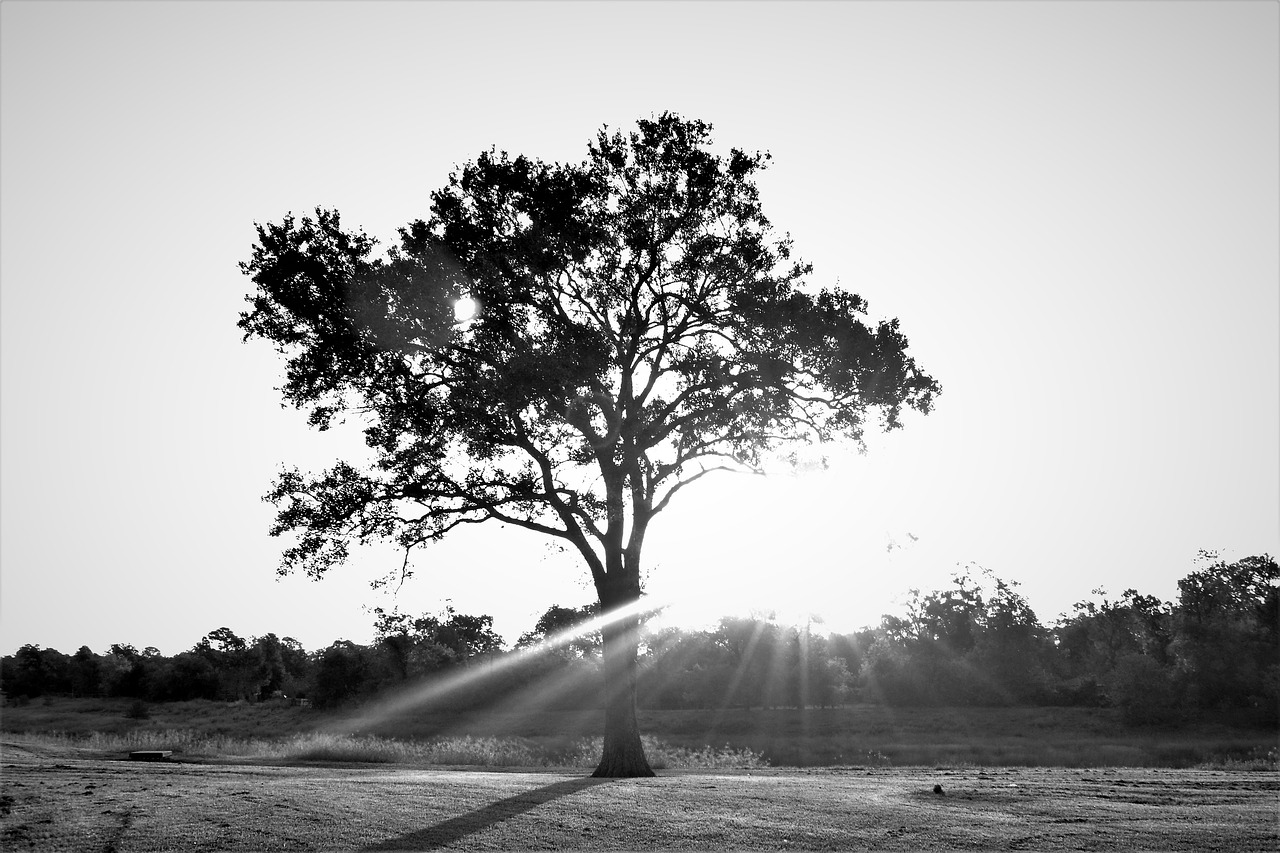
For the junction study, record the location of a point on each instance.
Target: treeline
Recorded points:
(1216, 647)
(224, 666)
(975, 643)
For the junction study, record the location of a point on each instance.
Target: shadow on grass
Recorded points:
(454, 829)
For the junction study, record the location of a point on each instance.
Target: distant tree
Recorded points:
(638, 325)
(86, 673)
(343, 672)
(832, 682)
(1226, 632)
(824, 678)
(978, 642)
(400, 639)
(241, 670)
(890, 675)
(33, 671)
(466, 635)
(1092, 641)
(1012, 650)
(224, 641)
(297, 667)
(851, 647)
(415, 646)
(277, 664)
(183, 677)
(124, 671)
(560, 622)
(671, 667)
(757, 656)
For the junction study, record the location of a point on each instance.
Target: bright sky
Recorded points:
(1073, 208)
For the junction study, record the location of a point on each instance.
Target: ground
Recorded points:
(64, 801)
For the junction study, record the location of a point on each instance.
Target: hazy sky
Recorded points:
(1073, 208)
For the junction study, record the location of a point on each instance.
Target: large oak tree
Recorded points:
(638, 324)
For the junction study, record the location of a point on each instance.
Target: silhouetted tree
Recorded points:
(1012, 650)
(978, 642)
(466, 635)
(241, 669)
(343, 672)
(1226, 635)
(415, 646)
(183, 677)
(394, 634)
(32, 671)
(86, 673)
(1091, 643)
(559, 622)
(279, 665)
(638, 325)
(124, 671)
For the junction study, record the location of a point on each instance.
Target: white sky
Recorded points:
(1073, 208)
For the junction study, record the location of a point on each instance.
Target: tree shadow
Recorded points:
(454, 829)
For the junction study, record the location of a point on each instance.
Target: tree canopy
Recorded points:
(638, 324)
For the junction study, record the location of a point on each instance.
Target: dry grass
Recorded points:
(863, 736)
(370, 749)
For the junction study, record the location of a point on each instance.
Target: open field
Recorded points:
(856, 735)
(63, 800)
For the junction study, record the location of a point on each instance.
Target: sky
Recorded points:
(1072, 208)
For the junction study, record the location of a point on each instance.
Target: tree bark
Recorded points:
(623, 755)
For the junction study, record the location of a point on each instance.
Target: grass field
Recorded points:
(863, 735)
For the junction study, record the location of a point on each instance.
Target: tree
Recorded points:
(343, 672)
(638, 324)
(1092, 642)
(1226, 637)
(558, 622)
(420, 645)
(33, 671)
(976, 643)
(241, 669)
(186, 676)
(279, 664)
(85, 672)
(124, 671)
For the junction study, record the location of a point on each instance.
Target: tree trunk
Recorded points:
(623, 753)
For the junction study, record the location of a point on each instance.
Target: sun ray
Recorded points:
(672, 653)
(417, 696)
(746, 659)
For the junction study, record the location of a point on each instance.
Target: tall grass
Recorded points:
(856, 735)
(1255, 759)
(663, 756)
(482, 751)
(320, 747)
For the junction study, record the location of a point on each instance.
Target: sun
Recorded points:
(465, 309)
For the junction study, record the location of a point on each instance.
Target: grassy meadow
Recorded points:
(858, 735)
